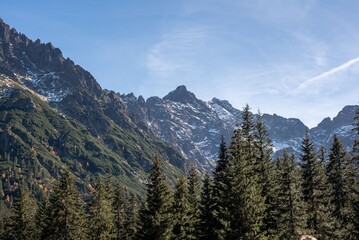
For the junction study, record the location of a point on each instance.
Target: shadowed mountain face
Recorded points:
(56, 109)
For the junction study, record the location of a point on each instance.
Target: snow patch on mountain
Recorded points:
(46, 84)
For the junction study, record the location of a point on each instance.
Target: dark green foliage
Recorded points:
(155, 215)
(66, 218)
(266, 175)
(246, 205)
(119, 210)
(131, 223)
(194, 198)
(180, 210)
(316, 191)
(291, 216)
(335, 173)
(308, 159)
(101, 216)
(207, 221)
(22, 223)
(221, 187)
(41, 219)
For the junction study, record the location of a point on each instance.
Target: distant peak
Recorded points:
(181, 88)
(181, 94)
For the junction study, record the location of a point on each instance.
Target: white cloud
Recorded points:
(176, 51)
(324, 76)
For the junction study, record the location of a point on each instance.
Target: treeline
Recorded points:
(248, 196)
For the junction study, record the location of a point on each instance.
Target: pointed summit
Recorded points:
(181, 95)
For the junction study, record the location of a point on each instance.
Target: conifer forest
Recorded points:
(251, 194)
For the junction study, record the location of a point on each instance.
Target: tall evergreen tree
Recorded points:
(131, 218)
(101, 216)
(194, 198)
(41, 218)
(335, 172)
(351, 188)
(291, 208)
(221, 187)
(308, 159)
(23, 220)
(266, 175)
(245, 203)
(66, 217)
(316, 191)
(119, 210)
(207, 221)
(181, 210)
(155, 215)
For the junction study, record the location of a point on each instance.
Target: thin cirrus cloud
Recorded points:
(323, 77)
(176, 51)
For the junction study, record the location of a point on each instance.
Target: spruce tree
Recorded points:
(131, 218)
(221, 186)
(155, 215)
(181, 210)
(66, 216)
(23, 220)
(335, 172)
(194, 198)
(41, 218)
(351, 188)
(291, 208)
(246, 204)
(266, 175)
(119, 210)
(101, 216)
(207, 221)
(316, 191)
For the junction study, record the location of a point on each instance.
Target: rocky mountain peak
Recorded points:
(181, 95)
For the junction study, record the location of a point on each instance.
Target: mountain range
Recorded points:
(54, 113)
(194, 127)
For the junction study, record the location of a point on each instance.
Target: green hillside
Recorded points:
(37, 141)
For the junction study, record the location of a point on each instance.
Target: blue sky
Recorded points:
(296, 58)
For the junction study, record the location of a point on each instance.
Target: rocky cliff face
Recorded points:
(341, 125)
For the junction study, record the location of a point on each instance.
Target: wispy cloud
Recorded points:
(176, 51)
(326, 74)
